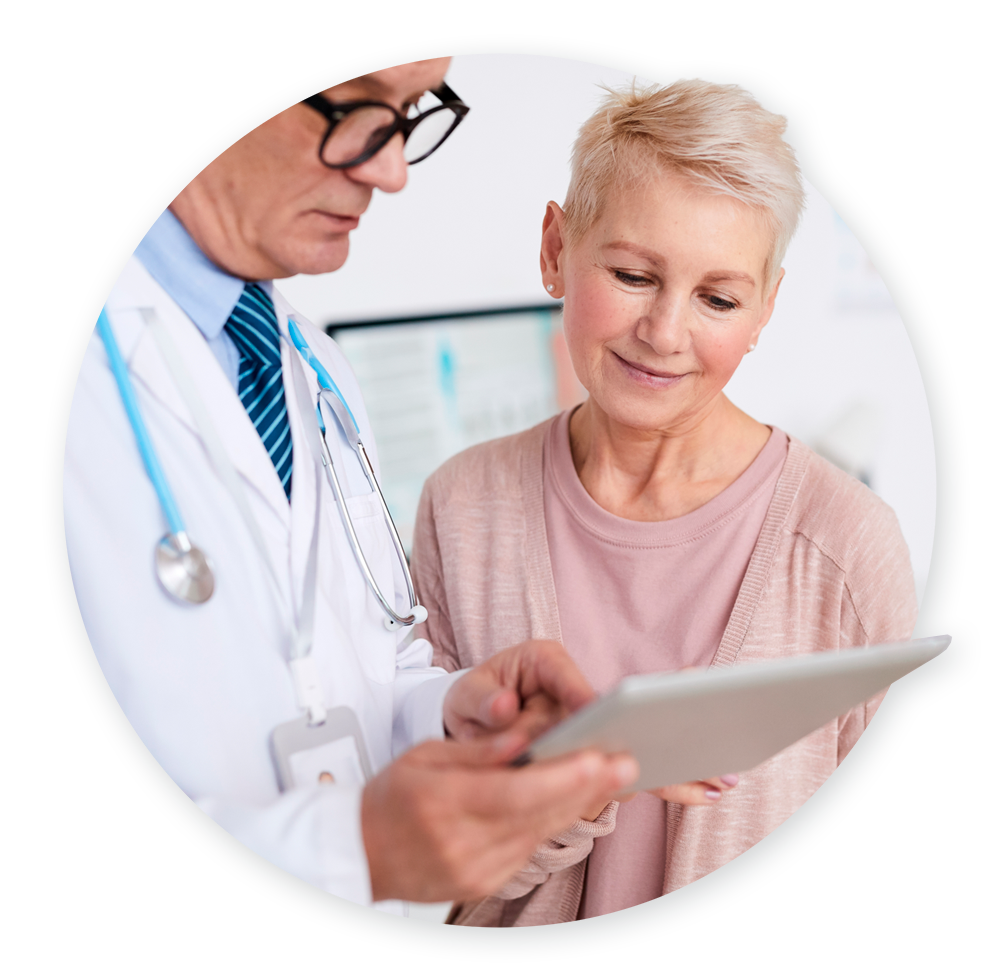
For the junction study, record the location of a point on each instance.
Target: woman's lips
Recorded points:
(647, 376)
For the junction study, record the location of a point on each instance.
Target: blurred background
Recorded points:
(441, 311)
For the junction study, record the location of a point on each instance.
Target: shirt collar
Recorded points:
(204, 292)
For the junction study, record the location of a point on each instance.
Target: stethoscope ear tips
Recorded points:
(419, 614)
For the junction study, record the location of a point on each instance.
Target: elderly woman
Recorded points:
(657, 526)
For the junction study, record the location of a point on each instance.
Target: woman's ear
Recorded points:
(152, 81)
(552, 250)
(768, 309)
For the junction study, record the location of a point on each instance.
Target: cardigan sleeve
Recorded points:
(889, 852)
(560, 852)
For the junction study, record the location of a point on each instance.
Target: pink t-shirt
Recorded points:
(637, 597)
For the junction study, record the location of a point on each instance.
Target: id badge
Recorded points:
(332, 751)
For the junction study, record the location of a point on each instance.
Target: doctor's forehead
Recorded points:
(402, 84)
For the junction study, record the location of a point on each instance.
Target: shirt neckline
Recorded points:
(560, 474)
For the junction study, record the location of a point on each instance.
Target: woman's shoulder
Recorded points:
(836, 511)
(857, 534)
(490, 468)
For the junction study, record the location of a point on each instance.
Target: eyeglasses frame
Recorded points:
(336, 112)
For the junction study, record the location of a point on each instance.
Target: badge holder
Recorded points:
(324, 745)
(332, 751)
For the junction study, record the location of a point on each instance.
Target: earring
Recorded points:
(550, 288)
(752, 346)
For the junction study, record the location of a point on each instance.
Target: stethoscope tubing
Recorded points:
(359, 556)
(326, 382)
(390, 523)
(152, 463)
(340, 409)
(328, 386)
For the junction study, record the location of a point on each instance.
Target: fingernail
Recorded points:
(713, 794)
(730, 779)
(627, 771)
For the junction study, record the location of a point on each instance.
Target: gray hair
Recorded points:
(111, 71)
(716, 135)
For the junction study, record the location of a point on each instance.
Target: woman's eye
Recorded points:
(632, 279)
(720, 303)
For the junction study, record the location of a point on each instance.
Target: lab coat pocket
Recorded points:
(378, 645)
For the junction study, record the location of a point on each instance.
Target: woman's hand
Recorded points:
(699, 793)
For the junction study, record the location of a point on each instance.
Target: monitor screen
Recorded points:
(434, 386)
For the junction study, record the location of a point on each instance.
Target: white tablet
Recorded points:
(694, 725)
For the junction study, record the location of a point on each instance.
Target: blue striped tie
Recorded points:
(253, 326)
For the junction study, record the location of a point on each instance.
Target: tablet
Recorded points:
(693, 725)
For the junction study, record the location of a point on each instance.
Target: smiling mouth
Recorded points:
(646, 375)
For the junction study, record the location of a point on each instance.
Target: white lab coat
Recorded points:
(205, 685)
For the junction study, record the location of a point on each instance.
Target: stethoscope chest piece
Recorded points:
(183, 570)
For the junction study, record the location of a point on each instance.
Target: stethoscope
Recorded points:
(183, 570)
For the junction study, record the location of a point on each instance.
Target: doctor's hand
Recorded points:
(519, 693)
(451, 821)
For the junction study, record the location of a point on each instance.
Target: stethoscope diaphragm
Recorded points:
(183, 570)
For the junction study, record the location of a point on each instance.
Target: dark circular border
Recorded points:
(831, 803)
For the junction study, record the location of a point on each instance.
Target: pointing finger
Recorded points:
(558, 675)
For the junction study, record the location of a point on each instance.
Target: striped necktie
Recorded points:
(253, 326)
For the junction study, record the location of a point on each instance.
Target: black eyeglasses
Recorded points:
(360, 129)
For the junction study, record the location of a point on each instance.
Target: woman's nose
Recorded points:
(665, 326)
(386, 169)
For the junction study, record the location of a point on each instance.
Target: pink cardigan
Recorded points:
(829, 570)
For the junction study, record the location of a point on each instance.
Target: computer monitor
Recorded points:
(437, 384)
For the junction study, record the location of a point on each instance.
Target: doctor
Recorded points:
(230, 406)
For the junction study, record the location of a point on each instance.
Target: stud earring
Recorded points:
(752, 346)
(550, 288)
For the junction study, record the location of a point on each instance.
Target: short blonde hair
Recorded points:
(715, 135)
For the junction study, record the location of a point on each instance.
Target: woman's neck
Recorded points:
(652, 475)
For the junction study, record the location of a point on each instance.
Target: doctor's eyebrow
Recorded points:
(377, 90)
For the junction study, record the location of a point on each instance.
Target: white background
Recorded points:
(464, 236)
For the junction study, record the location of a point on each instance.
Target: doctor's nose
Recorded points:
(386, 169)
